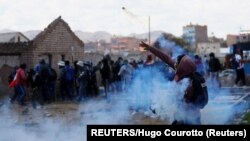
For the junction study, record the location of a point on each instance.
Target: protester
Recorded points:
(214, 68)
(195, 96)
(199, 65)
(83, 81)
(126, 73)
(106, 73)
(69, 80)
(62, 81)
(11, 77)
(240, 72)
(21, 84)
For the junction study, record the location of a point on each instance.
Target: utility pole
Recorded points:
(72, 54)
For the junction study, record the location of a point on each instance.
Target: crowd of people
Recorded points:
(75, 82)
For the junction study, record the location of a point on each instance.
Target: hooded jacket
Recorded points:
(188, 112)
(21, 78)
(185, 68)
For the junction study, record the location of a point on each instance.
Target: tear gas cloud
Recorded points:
(170, 46)
(216, 112)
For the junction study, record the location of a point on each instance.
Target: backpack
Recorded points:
(200, 94)
(44, 73)
(11, 77)
(53, 75)
(69, 74)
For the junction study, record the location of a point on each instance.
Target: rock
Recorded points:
(25, 111)
(152, 109)
(48, 115)
(32, 124)
(237, 120)
(154, 116)
(245, 121)
(133, 113)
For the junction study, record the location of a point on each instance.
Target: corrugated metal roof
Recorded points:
(14, 48)
(10, 37)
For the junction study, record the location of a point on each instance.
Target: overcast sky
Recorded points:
(221, 16)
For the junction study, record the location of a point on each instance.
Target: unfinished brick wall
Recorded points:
(57, 42)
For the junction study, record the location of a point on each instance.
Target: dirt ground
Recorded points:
(70, 113)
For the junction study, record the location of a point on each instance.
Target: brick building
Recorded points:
(56, 42)
(120, 44)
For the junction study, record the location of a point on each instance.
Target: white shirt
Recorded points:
(238, 59)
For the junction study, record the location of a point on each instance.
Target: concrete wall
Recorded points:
(206, 48)
(10, 60)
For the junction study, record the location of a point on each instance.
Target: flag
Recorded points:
(13, 82)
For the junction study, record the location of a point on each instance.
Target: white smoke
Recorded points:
(224, 106)
(170, 46)
(28, 124)
(114, 110)
(151, 90)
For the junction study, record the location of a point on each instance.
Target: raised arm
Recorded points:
(164, 57)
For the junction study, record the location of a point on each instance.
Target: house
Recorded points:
(207, 47)
(56, 42)
(13, 37)
(120, 44)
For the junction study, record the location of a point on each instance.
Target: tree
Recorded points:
(179, 41)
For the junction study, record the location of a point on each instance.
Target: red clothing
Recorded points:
(21, 78)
